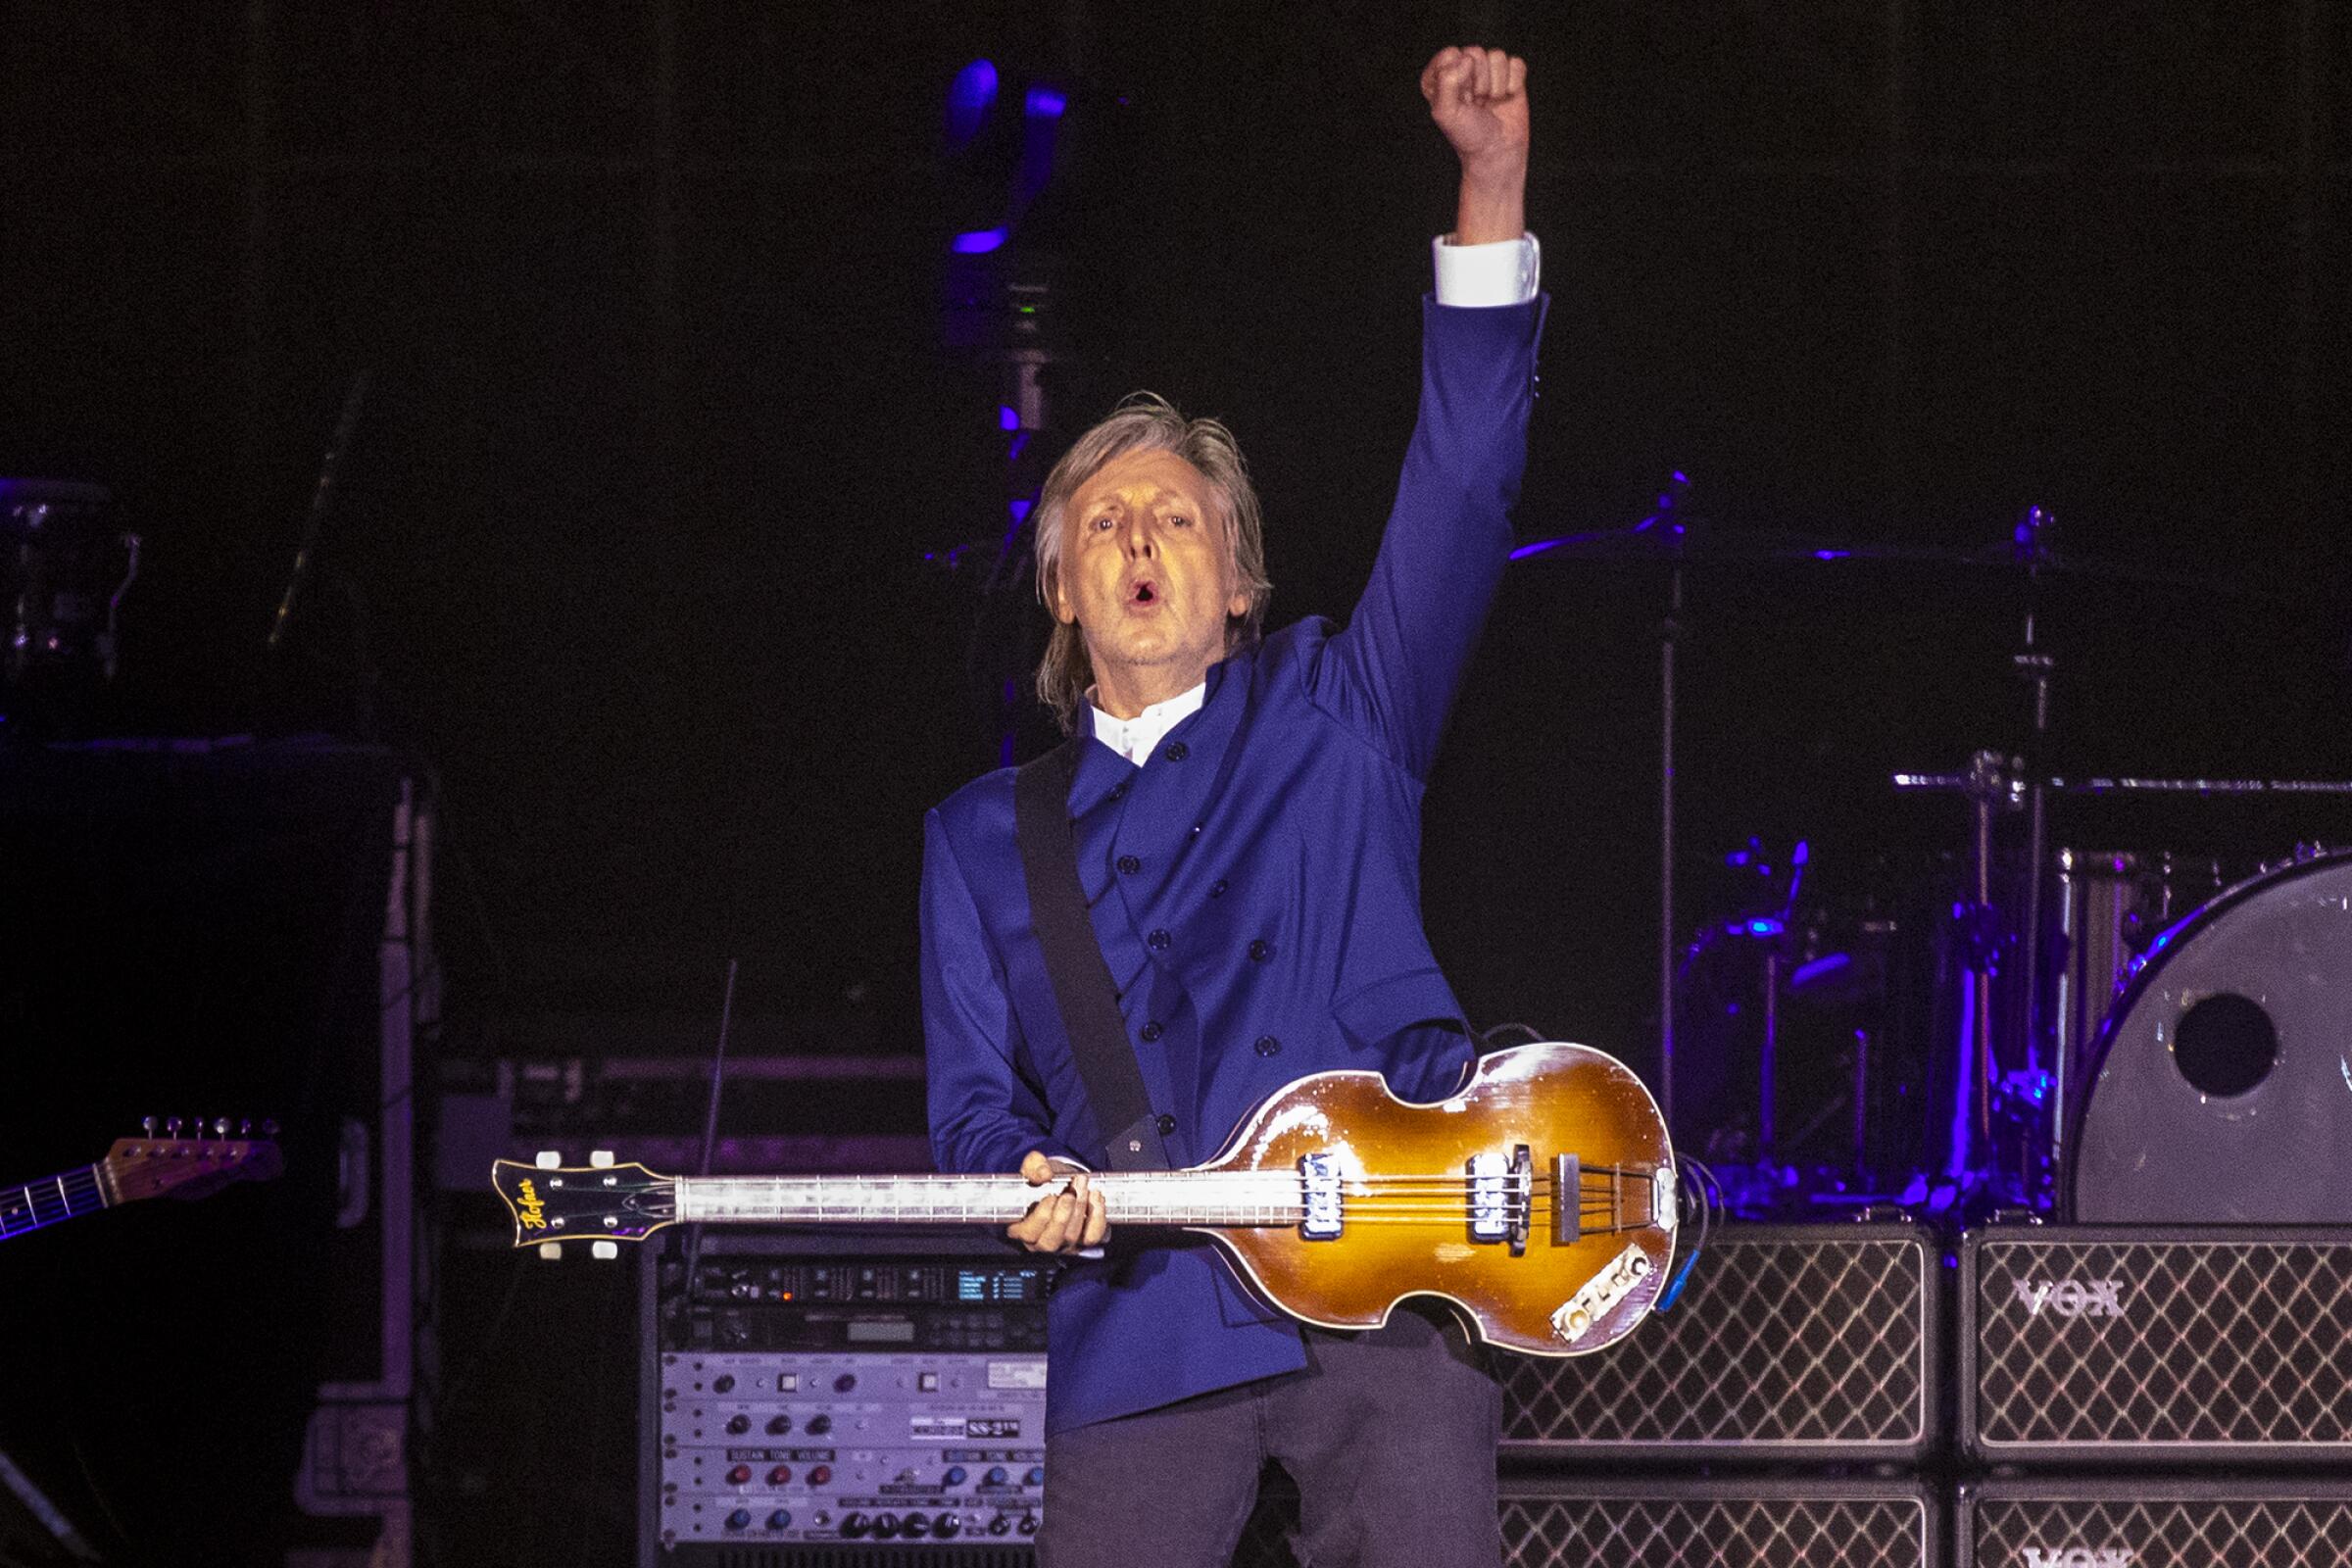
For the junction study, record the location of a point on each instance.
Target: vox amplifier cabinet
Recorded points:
(2141, 1345)
(851, 1399)
(2185, 1522)
(1801, 1341)
(1677, 1523)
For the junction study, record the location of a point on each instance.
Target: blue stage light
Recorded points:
(968, 97)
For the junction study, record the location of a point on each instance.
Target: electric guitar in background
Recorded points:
(1539, 1200)
(143, 1167)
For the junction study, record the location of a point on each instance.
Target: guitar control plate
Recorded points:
(1582, 1312)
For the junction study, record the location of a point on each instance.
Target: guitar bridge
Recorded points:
(1319, 1196)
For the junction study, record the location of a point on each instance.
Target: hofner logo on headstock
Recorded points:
(530, 1211)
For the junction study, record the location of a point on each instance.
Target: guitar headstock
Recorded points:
(151, 1167)
(599, 1202)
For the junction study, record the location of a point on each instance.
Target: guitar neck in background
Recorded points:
(29, 1207)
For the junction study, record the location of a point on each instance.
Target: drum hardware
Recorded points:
(65, 567)
(1666, 535)
(2012, 975)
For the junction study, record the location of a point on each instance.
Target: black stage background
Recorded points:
(637, 541)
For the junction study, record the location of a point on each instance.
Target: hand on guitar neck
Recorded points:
(1068, 1221)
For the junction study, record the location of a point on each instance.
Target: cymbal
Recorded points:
(1680, 544)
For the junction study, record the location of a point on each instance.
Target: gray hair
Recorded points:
(1145, 421)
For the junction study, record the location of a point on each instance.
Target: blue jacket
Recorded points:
(1269, 922)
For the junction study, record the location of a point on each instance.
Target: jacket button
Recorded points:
(1197, 827)
(1267, 1045)
(1261, 950)
(1216, 889)
(1149, 1031)
(1118, 791)
(1166, 1125)
(1178, 751)
(1130, 864)
(1160, 940)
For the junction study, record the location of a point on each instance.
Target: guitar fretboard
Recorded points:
(1131, 1198)
(51, 1199)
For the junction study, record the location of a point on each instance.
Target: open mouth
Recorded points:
(1143, 593)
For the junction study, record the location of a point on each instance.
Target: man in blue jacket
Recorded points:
(1247, 834)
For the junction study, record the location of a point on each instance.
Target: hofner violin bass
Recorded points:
(1539, 1200)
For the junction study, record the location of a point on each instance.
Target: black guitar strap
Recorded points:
(1082, 983)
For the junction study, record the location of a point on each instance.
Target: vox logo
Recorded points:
(2079, 1557)
(2070, 1298)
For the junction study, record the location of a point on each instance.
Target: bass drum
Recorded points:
(2222, 1084)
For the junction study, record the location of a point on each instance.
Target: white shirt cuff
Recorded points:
(1505, 273)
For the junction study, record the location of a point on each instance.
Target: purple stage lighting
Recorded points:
(968, 97)
(1046, 103)
(977, 241)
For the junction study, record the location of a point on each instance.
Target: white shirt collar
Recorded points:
(1134, 738)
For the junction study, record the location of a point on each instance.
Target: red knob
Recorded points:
(779, 1475)
(740, 1474)
(819, 1474)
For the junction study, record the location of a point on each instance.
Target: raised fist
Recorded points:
(1479, 99)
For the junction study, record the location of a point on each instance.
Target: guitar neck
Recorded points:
(51, 1199)
(1129, 1198)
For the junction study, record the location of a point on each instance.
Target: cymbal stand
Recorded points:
(1992, 781)
(1669, 519)
(2030, 543)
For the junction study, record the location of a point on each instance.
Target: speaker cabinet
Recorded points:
(2144, 1346)
(1805, 1342)
(2185, 1522)
(1677, 1523)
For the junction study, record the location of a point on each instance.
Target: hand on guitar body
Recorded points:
(1068, 1221)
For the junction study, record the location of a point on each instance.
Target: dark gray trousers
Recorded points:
(1390, 1434)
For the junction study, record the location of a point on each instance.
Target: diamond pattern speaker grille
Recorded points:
(1668, 1532)
(2087, 1343)
(1673, 1523)
(1803, 1341)
(2196, 1532)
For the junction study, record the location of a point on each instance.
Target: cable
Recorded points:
(1703, 1205)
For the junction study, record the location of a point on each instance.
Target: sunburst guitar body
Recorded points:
(1539, 1200)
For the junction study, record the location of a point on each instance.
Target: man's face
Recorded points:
(1146, 574)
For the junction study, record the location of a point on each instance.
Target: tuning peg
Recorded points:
(269, 1127)
(147, 1125)
(219, 1126)
(547, 1160)
(600, 1159)
(171, 1127)
(245, 1127)
(551, 1251)
(607, 1251)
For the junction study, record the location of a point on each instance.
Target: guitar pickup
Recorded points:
(1501, 1197)
(1319, 1196)
(1490, 1198)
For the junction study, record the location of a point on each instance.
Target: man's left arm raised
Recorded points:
(1394, 671)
